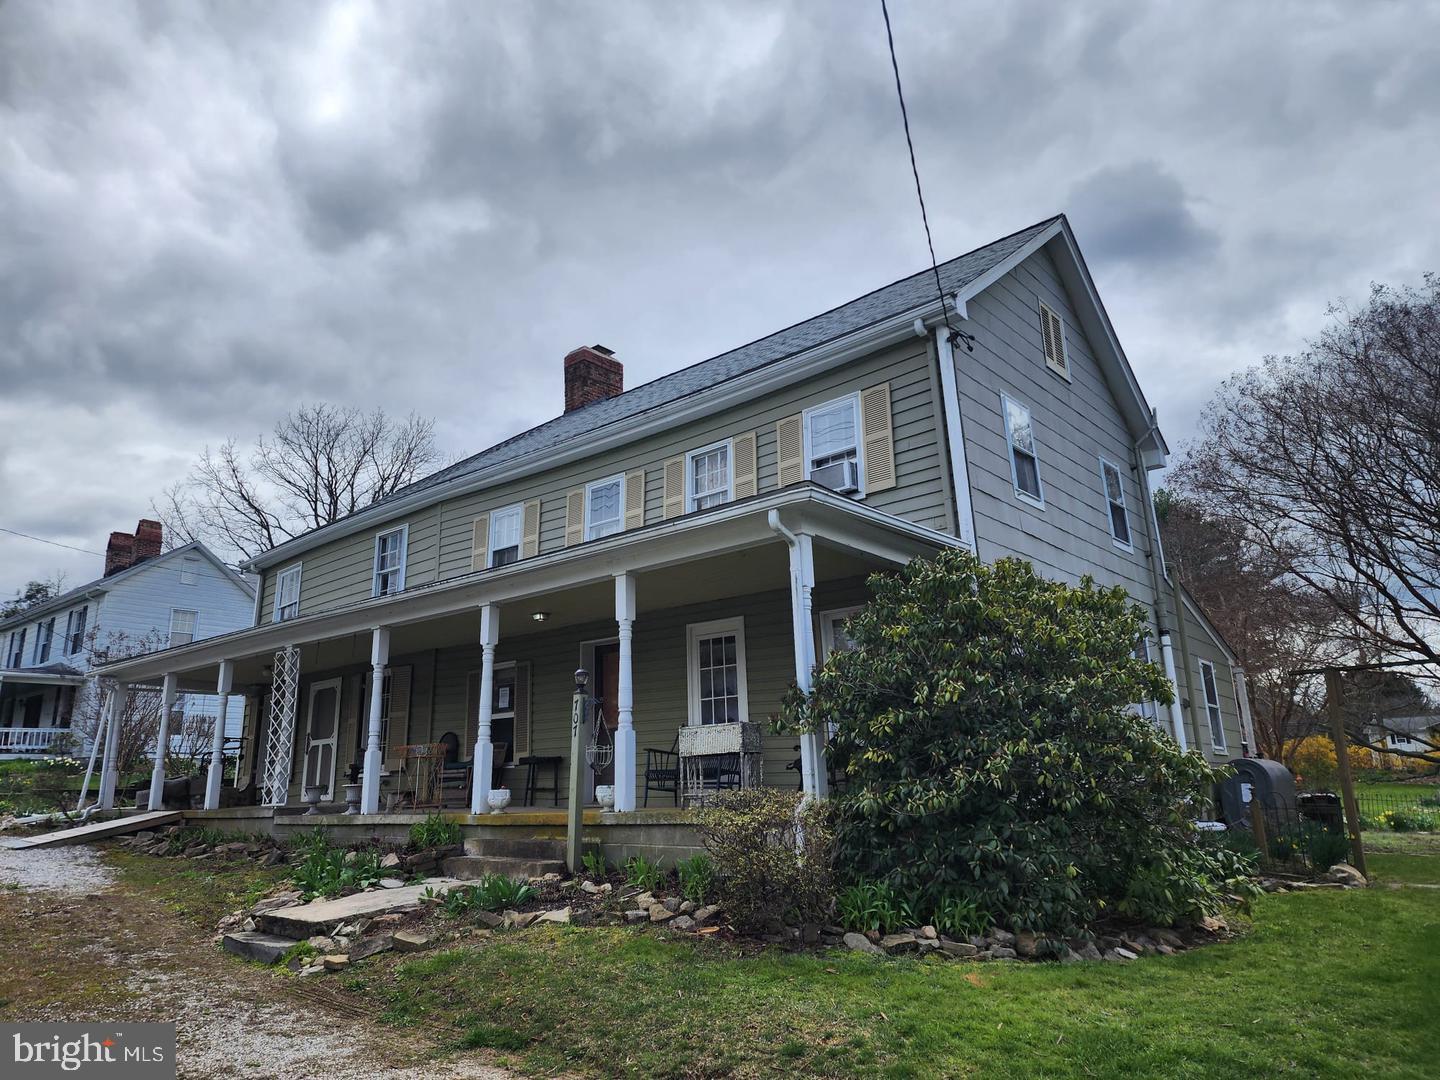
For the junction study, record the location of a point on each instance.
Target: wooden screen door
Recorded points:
(606, 688)
(320, 736)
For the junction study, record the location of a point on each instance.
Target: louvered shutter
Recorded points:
(472, 713)
(480, 543)
(574, 517)
(522, 711)
(877, 433)
(746, 480)
(530, 539)
(635, 499)
(790, 449)
(398, 729)
(675, 487)
(1052, 332)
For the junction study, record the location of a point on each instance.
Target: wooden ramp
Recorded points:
(102, 830)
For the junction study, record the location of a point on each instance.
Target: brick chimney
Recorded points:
(148, 538)
(591, 374)
(119, 552)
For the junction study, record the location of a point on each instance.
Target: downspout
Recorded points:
(1167, 650)
(804, 662)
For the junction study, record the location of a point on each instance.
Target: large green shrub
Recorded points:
(772, 855)
(984, 721)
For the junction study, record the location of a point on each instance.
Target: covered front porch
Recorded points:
(37, 707)
(690, 632)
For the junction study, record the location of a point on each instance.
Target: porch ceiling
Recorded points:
(729, 551)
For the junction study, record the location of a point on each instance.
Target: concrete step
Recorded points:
(322, 916)
(529, 847)
(254, 945)
(473, 867)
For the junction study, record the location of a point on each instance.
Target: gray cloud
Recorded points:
(213, 211)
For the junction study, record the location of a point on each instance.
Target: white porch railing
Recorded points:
(29, 740)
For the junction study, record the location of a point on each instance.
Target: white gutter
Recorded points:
(955, 435)
(1157, 572)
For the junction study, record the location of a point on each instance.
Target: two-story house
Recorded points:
(695, 544)
(146, 599)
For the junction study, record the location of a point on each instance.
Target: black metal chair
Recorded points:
(455, 773)
(532, 765)
(662, 771)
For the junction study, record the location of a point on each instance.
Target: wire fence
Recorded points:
(1393, 808)
(1303, 838)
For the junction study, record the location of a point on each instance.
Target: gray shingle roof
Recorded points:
(893, 299)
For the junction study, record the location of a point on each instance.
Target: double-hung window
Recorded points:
(717, 672)
(390, 561)
(182, 626)
(17, 648)
(75, 630)
(505, 528)
(604, 507)
(1212, 704)
(287, 593)
(1148, 709)
(189, 571)
(708, 477)
(1024, 451)
(44, 639)
(832, 444)
(1110, 480)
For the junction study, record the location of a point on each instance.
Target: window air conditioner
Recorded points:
(842, 476)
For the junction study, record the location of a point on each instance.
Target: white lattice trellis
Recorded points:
(279, 744)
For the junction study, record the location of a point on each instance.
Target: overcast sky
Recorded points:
(211, 212)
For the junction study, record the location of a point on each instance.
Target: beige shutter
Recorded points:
(530, 537)
(472, 713)
(675, 487)
(480, 543)
(398, 729)
(877, 434)
(746, 480)
(790, 449)
(522, 711)
(1052, 332)
(574, 517)
(635, 499)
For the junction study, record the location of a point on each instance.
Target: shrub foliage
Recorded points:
(995, 764)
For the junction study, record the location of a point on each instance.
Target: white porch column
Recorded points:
(625, 694)
(216, 778)
(370, 781)
(110, 767)
(484, 755)
(162, 738)
(1177, 712)
(813, 780)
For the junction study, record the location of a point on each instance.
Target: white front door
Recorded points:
(320, 736)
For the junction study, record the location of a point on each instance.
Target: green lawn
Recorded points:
(1328, 984)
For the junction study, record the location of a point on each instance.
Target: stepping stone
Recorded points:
(408, 941)
(253, 945)
(322, 916)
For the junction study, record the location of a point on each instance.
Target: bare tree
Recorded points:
(34, 592)
(319, 464)
(1328, 463)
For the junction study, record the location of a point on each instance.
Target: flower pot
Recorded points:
(312, 797)
(605, 796)
(352, 798)
(498, 798)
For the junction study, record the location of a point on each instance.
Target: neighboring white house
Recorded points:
(146, 600)
(1406, 734)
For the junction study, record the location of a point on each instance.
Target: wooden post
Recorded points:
(1257, 826)
(1334, 695)
(579, 731)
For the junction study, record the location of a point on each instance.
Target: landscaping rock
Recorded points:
(682, 922)
(313, 969)
(929, 933)
(810, 934)
(519, 920)
(660, 913)
(1001, 937)
(265, 948)
(962, 950)
(895, 944)
(1025, 943)
(1346, 875)
(336, 961)
(1070, 956)
(639, 915)
(1120, 954)
(644, 900)
(1165, 936)
(371, 946)
(275, 858)
(687, 907)
(860, 943)
(321, 943)
(391, 883)
(409, 941)
(490, 919)
(590, 887)
(672, 904)
(1212, 925)
(390, 861)
(703, 915)
(559, 915)
(1002, 952)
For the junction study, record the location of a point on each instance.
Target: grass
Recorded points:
(199, 892)
(1297, 995)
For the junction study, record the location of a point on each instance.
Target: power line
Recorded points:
(52, 543)
(955, 335)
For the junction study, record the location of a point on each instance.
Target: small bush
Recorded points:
(641, 873)
(1411, 819)
(697, 877)
(594, 863)
(326, 870)
(773, 856)
(959, 917)
(873, 906)
(434, 832)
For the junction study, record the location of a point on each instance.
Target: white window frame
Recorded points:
(590, 523)
(194, 627)
(399, 569)
(715, 628)
(854, 402)
(1037, 501)
(43, 640)
(1106, 463)
(1150, 710)
(1064, 347)
(1215, 705)
(15, 648)
(277, 614)
(728, 445)
(189, 570)
(75, 615)
(829, 620)
(518, 511)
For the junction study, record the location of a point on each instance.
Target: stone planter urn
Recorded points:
(498, 798)
(605, 796)
(352, 798)
(312, 797)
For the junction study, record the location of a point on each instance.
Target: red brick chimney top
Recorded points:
(592, 374)
(126, 549)
(148, 539)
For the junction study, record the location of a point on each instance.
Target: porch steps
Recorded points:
(102, 830)
(472, 867)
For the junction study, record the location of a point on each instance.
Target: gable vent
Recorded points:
(1052, 330)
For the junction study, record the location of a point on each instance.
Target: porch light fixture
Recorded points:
(539, 616)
